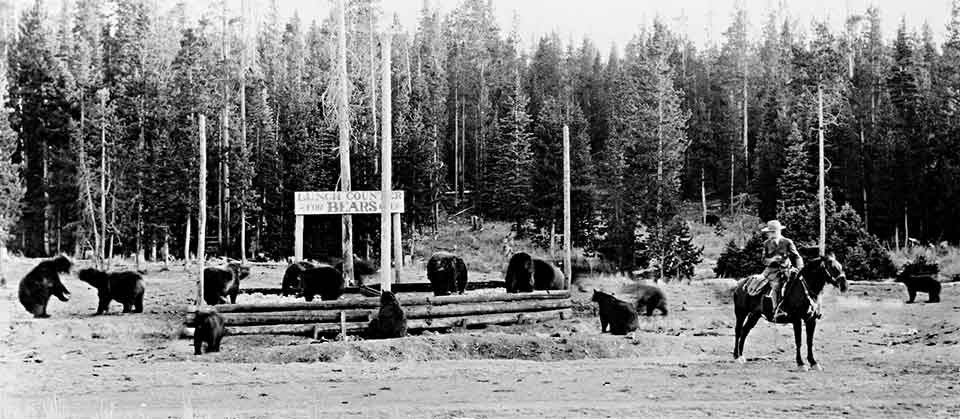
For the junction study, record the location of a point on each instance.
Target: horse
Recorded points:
(796, 303)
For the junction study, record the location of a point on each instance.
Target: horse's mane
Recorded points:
(815, 279)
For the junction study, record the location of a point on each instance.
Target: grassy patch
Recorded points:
(948, 258)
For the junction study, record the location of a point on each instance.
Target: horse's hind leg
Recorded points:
(797, 332)
(811, 328)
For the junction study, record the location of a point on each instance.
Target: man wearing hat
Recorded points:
(781, 258)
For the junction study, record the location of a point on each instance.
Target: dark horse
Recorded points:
(796, 304)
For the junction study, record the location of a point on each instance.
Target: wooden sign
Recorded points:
(340, 202)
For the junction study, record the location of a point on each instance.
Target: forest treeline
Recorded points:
(102, 100)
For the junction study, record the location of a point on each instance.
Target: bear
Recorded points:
(291, 278)
(650, 297)
(390, 321)
(220, 282)
(209, 328)
(546, 276)
(921, 283)
(123, 287)
(447, 274)
(361, 268)
(520, 272)
(42, 282)
(615, 313)
(323, 280)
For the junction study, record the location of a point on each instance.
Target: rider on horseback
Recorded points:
(781, 261)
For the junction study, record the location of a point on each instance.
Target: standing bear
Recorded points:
(123, 287)
(220, 282)
(209, 328)
(42, 282)
(921, 283)
(526, 273)
(649, 298)
(323, 280)
(447, 274)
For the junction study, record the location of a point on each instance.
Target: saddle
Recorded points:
(760, 285)
(756, 284)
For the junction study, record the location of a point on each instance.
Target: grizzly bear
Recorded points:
(447, 274)
(323, 280)
(390, 321)
(921, 283)
(615, 313)
(42, 282)
(123, 287)
(209, 328)
(220, 282)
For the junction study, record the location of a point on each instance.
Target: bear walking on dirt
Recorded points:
(447, 273)
(123, 287)
(620, 316)
(921, 283)
(208, 328)
(649, 298)
(220, 282)
(42, 282)
(390, 321)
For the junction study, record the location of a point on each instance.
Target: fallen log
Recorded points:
(373, 302)
(289, 317)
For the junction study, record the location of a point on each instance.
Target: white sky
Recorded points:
(615, 21)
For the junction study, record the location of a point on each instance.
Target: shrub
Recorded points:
(920, 266)
(860, 252)
(741, 262)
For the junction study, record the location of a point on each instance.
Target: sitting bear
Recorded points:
(208, 328)
(323, 280)
(447, 274)
(615, 313)
(390, 321)
(921, 283)
(219, 282)
(123, 287)
(42, 282)
(650, 297)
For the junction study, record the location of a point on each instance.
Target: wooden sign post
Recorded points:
(386, 175)
(202, 217)
(567, 242)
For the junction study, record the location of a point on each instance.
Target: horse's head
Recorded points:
(833, 272)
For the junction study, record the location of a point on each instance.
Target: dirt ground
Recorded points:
(882, 358)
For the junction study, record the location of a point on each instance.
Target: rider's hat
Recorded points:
(773, 225)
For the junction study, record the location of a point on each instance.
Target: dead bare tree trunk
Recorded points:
(103, 93)
(343, 111)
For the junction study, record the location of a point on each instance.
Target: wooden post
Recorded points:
(397, 243)
(103, 176)
(703, 196)
(202, 218)
(386, 167)
(821, 187)
(567, 240)
(298, 239)
(343, 111)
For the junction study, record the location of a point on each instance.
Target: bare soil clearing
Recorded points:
(882, 358)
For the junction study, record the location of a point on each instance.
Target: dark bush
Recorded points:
(741, 262)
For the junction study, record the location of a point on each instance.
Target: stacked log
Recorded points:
(403, 287)
(422, 313)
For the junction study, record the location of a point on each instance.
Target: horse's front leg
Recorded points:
(797, 331)
(811, 328)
